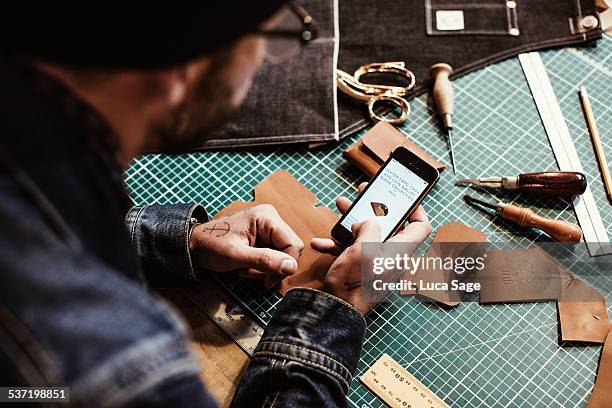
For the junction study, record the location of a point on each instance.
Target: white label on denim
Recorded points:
(227, 314)
(449, 20)
(397, 387)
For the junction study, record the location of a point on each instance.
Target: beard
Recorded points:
(207, 106)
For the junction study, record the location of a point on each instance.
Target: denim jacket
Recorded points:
(76, 307)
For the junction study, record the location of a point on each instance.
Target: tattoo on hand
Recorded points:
(219, 229)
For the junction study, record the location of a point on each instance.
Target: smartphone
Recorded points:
(391, 196)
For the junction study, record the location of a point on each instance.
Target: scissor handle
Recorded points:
(372, 93)
(350, 86)
(396, 100)
(398, 68)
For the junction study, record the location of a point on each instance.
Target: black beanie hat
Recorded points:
(132, 35)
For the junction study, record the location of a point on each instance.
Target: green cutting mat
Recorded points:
(471, 356)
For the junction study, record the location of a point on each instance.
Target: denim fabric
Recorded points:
(293, 102)
(306, 358)
(160, 235)
(74, 306)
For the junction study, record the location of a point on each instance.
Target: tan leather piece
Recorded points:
(520, 275)
(374, 148)
(601, 397)
(583, 316)
(531, 275)
(452, 233)
(297, 206)
(300, 212)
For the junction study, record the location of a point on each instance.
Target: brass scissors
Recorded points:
(374, 93)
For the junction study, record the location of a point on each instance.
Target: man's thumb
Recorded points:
(367, 231)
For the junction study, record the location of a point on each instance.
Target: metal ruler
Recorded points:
(397, 387)
(593, 229)
(227, 314)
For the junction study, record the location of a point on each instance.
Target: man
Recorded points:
(75, 307)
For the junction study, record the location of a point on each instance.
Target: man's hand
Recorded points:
(344, 278)
(256, 238)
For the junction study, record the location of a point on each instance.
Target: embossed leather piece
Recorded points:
(520, 275)
(374, 148)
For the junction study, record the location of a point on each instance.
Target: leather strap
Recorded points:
(583, 316)
(374, 148)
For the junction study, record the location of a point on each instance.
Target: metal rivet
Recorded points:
(511, 4)
(514, 31)
(589, 22)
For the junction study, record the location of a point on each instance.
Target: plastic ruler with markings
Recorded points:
(227, 314)
(590, 220)
(397, 387)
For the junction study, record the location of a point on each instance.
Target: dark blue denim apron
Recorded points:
(297, 101)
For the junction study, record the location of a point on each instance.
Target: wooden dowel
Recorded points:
(599, 152)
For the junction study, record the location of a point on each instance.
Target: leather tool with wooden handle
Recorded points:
(545, 183)
(444, 98)
(560, 231)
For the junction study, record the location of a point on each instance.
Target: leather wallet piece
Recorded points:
(297, 206)
(374, 148)
(583, 316)
(520, 275)
(448, 243)
(601, 397)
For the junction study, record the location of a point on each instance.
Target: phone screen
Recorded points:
(388, 199)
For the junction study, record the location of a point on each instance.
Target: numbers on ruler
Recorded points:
(397, 387)
(404, 403)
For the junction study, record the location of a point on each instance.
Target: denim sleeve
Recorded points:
(160, 235)
(177, 393)
(307, 355)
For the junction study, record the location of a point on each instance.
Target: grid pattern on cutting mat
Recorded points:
(471, 356)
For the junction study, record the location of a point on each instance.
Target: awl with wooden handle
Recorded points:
(444, 98)
(546, 183)
(560, 231)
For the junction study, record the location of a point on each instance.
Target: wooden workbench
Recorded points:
(221, 360)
